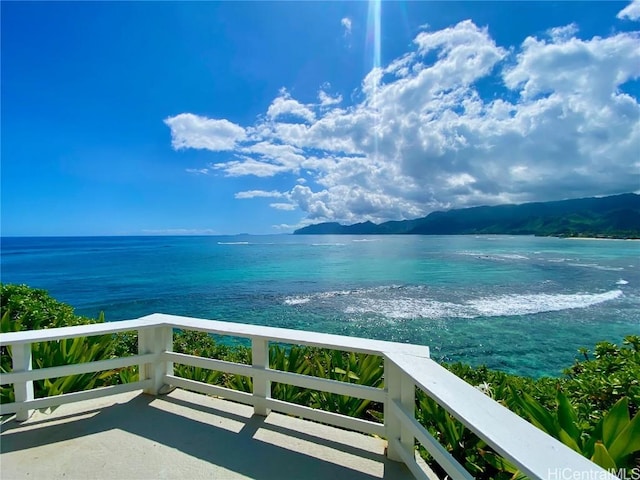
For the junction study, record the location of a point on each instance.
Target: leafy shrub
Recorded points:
(614, 443)
(202, 344)
(24, 308)
(595, 384)
(33, 309)
(358, 368)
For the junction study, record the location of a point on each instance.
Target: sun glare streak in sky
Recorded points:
(374, 40)
(373, 30)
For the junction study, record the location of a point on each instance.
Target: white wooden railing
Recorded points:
(406, 367)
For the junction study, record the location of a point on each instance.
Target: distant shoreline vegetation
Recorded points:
(616, 216)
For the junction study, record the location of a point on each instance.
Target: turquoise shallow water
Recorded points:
(520, 304)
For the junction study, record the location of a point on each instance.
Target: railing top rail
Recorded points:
(297, 337)
(534, 452)
(284, 335)
(50, 334)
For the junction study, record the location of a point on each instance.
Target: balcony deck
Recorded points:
(184, 435)
(113, 434)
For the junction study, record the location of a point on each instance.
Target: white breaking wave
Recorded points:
(512, 256)
(538, 303)
(408, 302)
(296, 300)
(365, 240)
(233, 243)
(496, 306)
(622, 282)
(596, 266)
(406, 308)
(322, 296)
(494, 256)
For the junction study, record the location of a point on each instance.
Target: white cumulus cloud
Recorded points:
(423, 136)
(346, 23)
(193, 131)
(285, 106)
(198, 171)
(283, 206)
(259, 193)
(631, 11)
(326, 99)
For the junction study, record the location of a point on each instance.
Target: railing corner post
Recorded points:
(401, 390)
(156, 340)
(261, 384)
(23, 391)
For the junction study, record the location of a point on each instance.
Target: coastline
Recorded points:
(599, 238)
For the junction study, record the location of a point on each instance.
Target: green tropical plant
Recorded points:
(472, 452)
(24, 308)
(202, 344)
(294, 360)
(460, 442)
(613, 443)
(358, 368)
(595, 384)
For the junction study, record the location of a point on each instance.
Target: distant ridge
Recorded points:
(616, 216)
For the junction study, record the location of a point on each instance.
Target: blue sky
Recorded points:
(184, 118)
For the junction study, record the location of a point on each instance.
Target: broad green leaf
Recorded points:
(601, 457)
(628, 440)
(569, 441)
(568, 419)
(503, 465)
(615, 421)
(537, 414)
(353, 376)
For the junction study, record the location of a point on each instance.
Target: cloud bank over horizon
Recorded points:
(456, 121)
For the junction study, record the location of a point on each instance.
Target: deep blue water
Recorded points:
(520, 304)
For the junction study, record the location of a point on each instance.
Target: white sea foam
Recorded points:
(494, 256)
(302, 299)
(233, 243)
(596, 266)
(407, 308)
(512, 256)
(622, 282)
(494, 306)
(296, 300)
(538, 303)
(408, 302)
(364, 240)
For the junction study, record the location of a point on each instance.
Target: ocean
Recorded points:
(519, 304)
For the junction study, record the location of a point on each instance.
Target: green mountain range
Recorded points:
(616, 216)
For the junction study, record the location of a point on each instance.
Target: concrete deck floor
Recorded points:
(187, 436)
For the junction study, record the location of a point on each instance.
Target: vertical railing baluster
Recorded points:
(23, 391)
(408, 401)
(391, 422)
(167, 343)
(144, 346)
(401, 389)
(261, 384)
